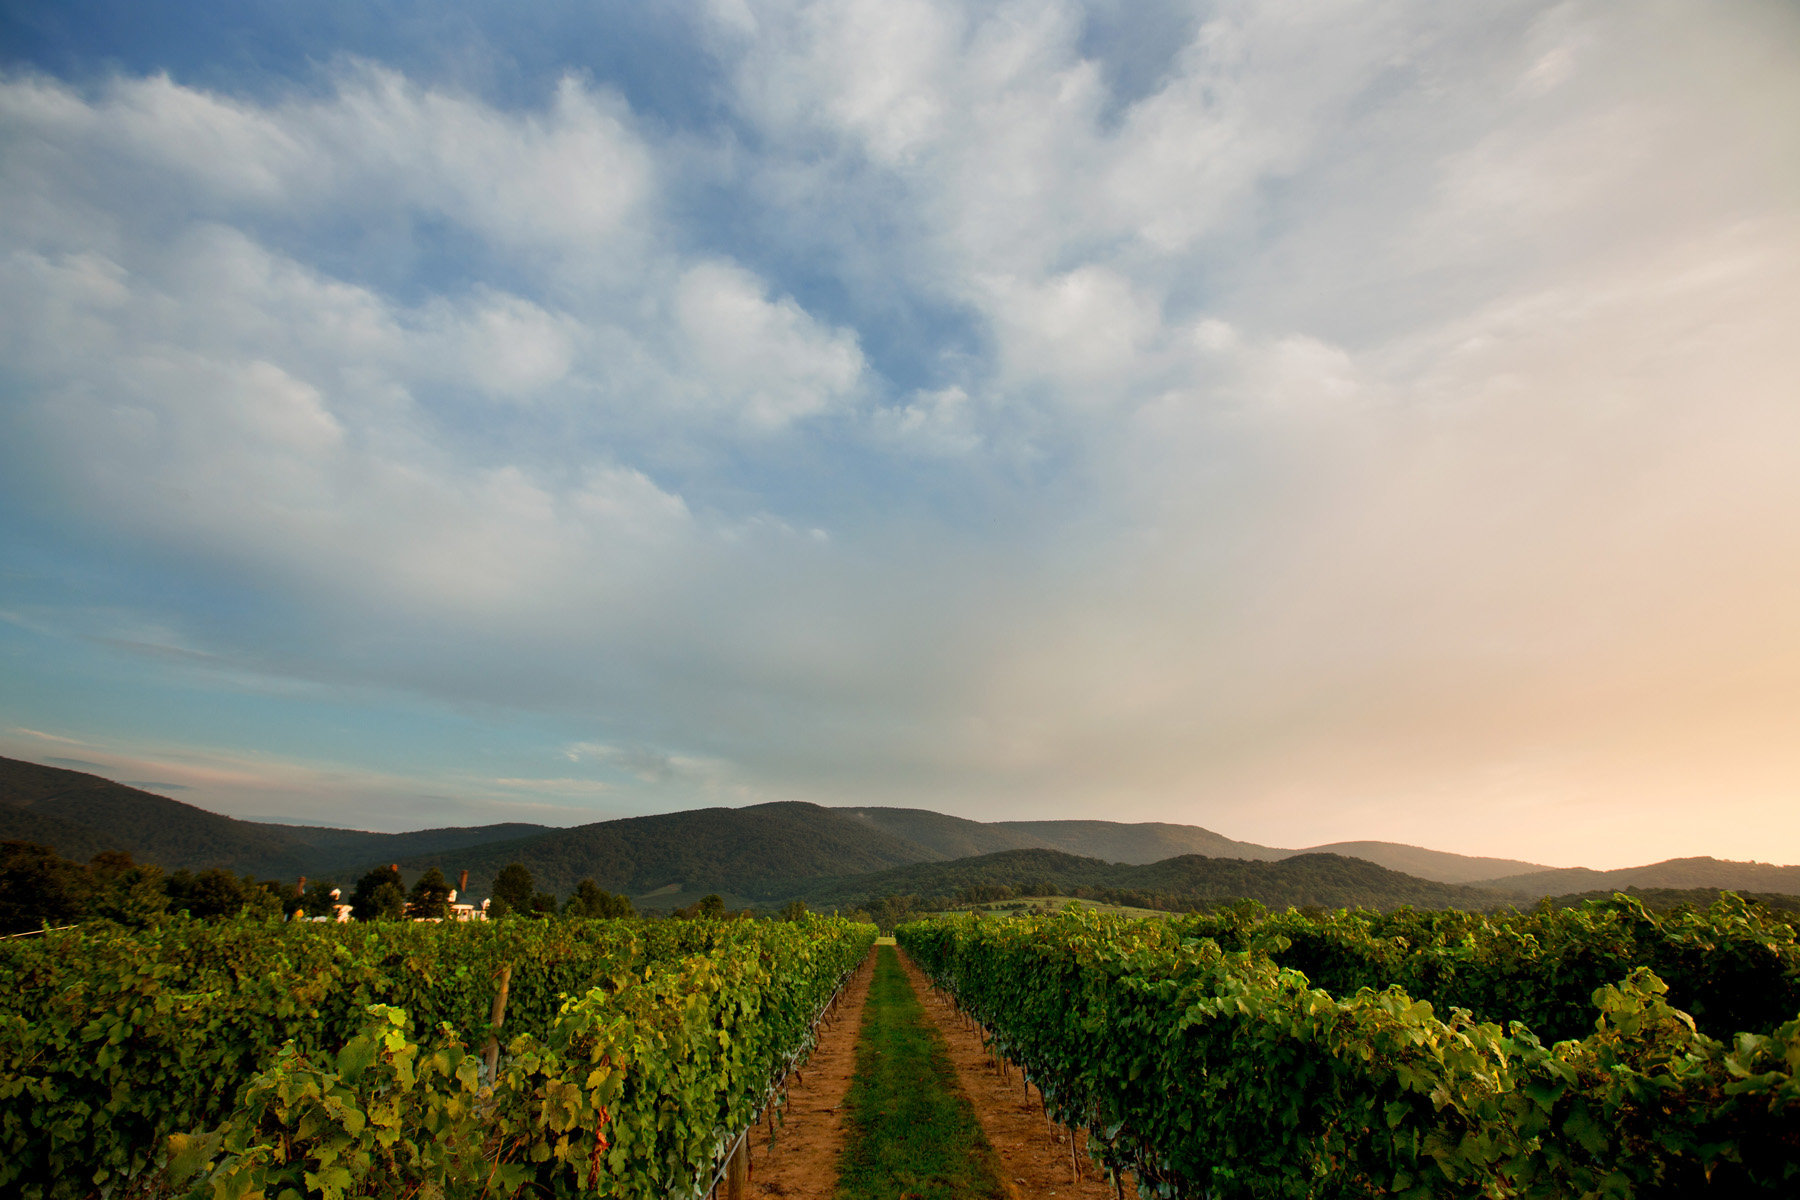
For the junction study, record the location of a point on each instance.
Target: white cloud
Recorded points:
(647, 764)
(937, 422)
(766, 360)
(1378, 400)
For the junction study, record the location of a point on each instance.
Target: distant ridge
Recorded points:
(1152, 841)
(1139, 842)
(740, 850)
(791, 848)
(79, 815)
(115, 817)
(1672, 873)
(1324, 880)
(946, 836)
(1429, 864)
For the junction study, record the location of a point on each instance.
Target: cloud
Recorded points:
(46, 737)
(1299, 425)
(766, 360)
(647, 764)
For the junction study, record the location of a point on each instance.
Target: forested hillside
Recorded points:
(80, 815)
(1671, 873)
(741, 850)
(832, 856)
(1322, 880)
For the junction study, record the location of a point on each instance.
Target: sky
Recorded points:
(1352, 419)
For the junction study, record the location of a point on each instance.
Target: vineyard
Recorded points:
(1599, 1052)
(241, 1059)
(1208, 1065)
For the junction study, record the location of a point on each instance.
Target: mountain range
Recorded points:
(769, 852)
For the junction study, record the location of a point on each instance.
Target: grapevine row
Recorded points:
(1217, 1072)
(293, 1053)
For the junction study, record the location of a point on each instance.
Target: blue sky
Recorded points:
(1327, 421)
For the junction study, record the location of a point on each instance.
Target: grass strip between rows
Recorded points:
(912, 1132)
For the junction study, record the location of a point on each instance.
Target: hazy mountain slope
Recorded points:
(1427, 864)
(952, 837)
(943, 880)
(1326, 880)
(335, 851)
(729, 849)
(1150, 842)
(79, 814)
(153, 828)
(1145, 842)
(1672, 873)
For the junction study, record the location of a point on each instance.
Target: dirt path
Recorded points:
(1036, 1152)
(802, 1162)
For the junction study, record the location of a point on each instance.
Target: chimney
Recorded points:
(300, 888)
(462, 880)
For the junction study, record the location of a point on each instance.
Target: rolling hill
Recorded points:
(796, 849)
(1154, 841)
(88, 813)
(945, 836)
(1429, 864)
(1143, 842)
(338, 851)
(1671, 873)
(1325, 880)
(739, 850)
(79, 815)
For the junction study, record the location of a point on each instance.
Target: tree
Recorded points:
(712, 905)
(125, 891)
(512, 891)
(378, 896)
(430, 896)
(211, 893)
(543, 904)
(592, 900)
(793, 910)
(318, 900)
(39, 887)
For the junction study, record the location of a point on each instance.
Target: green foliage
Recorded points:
(110, 1041)
(382, 1108)
(1663, 899)
(216, 893)
(1210, 1070)
(1733, 967)
(124, 891)
(318, 900)
(378, 896)
(910, 1128)
(591, 900)
(430, 897)
(39, 887)
(512, 891)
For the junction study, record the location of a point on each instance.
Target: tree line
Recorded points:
(39, 887)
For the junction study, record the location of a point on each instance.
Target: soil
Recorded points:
(1034, 1150)
(802, 1161)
